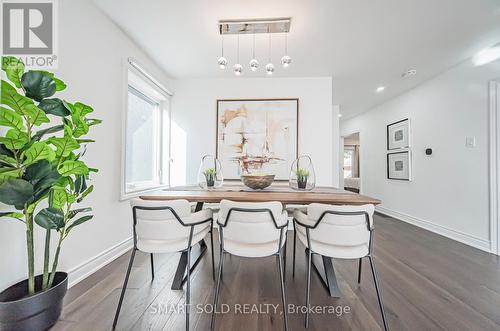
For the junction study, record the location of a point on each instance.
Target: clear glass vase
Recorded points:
(210, 173)
(302, 176)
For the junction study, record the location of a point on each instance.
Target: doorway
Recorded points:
(351, 166)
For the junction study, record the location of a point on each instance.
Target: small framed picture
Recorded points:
(398, 135)
(399, 165)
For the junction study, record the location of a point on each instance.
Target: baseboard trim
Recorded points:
(464, 238)
(85, 269)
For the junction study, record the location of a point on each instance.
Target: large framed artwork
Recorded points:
(398, 134)
(257, 136)
(399, 165)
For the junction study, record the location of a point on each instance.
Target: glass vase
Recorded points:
(210, 173)
(302, 176)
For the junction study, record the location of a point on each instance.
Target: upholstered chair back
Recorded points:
(158, 225)
(250, 229)
(342, 231)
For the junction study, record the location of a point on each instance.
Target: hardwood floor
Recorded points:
(428, 282)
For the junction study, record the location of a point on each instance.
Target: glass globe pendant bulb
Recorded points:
(254, 64)
(238, 69)
(270, 68)
(222, 62)
(286, 61)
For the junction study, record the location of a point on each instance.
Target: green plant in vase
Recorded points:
(42, 172)
(210, 175)
(302, 176)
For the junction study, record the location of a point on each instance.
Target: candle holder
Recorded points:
(302, 175)
(210, 173)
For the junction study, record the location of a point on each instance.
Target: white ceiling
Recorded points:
(361, 43)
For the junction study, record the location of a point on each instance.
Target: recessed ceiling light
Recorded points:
(487, 55)
(340, 115)
(380, 89)
(409, 73)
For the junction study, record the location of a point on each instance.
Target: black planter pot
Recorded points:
(210, 181)
(20, 312)
(302, 184)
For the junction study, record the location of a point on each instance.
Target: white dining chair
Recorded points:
(167, 227)
(341, 232)
(252, 229)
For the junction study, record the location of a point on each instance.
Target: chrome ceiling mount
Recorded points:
(250, 26)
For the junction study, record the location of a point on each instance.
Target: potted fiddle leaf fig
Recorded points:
(43, 178)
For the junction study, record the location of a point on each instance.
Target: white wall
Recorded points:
(194, 112)
(92, 53)
(449, 190)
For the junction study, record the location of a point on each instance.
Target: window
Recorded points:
(348, 162)
(146, 136)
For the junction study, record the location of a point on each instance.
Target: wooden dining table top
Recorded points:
(282, 193)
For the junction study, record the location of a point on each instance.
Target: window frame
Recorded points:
(142, 86)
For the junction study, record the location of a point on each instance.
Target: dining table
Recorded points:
(276, 192)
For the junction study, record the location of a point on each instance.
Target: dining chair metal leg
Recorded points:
(294, 244)
(188, 287)
(308, 287)
(152, 268)
(212, 248)
(284, 258)
(359, 270)
(282, 282)
(217, 288)
(131, 262)
(379, 296)
(221, 249)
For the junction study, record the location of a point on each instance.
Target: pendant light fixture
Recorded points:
(254, 64)
(269, 65)
(286, 60)
(222, 60)
(267, 26)
(238, 68)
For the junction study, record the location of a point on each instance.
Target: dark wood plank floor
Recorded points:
(428, 282)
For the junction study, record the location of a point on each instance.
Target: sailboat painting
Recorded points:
(257, 136)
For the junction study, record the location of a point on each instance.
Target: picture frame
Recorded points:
(257, 135)
(399, 166)
(398, 134)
